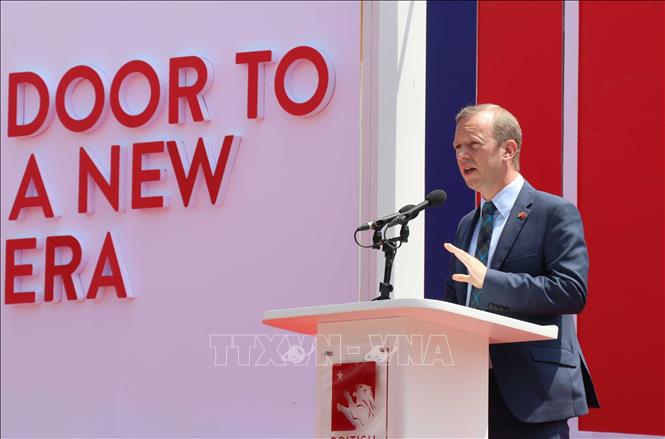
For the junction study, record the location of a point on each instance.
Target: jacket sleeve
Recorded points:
(562, 288)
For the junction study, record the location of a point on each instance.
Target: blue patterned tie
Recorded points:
(483, 245)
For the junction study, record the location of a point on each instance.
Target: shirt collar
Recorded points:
(505, 199)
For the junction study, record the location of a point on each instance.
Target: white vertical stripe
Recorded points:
(570, 99)
(570, 113)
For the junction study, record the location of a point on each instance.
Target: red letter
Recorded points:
(13, 270)
(324, 88)
(22, 201)
(110, 187)
(255, 80)
(200, 161)
(191, 94)
(68, 272)
(16, 104)
(140, 175)
(144, 117)
(115, 276)
(63, 96)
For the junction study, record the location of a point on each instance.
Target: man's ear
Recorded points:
(509, 150)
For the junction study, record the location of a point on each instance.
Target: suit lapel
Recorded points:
(467, 230)
(513, 225)
(464, 242)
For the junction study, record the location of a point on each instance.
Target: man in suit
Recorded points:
(521, 254)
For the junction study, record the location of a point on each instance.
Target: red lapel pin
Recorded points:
(522, 215)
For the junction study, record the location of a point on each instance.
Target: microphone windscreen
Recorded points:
(436, 198)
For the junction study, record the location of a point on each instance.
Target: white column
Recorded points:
(394, 49)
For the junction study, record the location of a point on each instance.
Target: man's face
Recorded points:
(479, 157)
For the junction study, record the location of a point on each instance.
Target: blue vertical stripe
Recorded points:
(451, 84)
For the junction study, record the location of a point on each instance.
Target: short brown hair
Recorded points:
(504, 125)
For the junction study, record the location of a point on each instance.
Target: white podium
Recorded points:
(403, 368)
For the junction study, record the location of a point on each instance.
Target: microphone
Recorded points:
(434, 199)
(378, 224)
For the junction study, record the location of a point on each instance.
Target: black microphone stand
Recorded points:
(389, 248)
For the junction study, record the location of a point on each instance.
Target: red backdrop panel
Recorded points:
(520, 68)
(621, 195)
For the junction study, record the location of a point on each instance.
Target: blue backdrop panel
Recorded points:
(451, 84)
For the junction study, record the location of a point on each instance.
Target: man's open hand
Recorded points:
(477, 270)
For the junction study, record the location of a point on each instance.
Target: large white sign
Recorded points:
(187, 165)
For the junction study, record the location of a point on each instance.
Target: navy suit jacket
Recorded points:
(538, 274)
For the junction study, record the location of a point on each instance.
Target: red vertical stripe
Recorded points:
(621, 191)
(520, 68)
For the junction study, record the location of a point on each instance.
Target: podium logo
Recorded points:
(353, 389)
